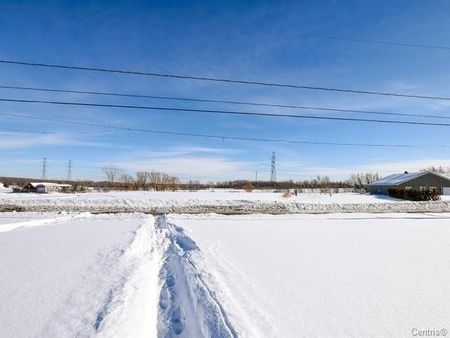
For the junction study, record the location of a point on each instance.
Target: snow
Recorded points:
(78, 275)
(210, 275)
(170, 198)
(48, 184)
(187, 307)
(219, 201)
(4, 190)
(396, 179)
(357, 275)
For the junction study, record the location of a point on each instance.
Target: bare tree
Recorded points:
(129, 182)
(112, 173)
(438, 170)
(360, 180)
(161, 181)
(143, 179)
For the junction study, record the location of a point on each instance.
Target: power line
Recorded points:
(380, 42)
(26, 10)
(23, 131)
(225, 112)
(342, 110)
(219, 137)
(223, 80)
(305, 35)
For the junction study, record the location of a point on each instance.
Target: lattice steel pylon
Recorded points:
(69, 171)
(273, 171)
(44, 168)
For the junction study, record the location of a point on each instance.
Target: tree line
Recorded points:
(142, 180)
(117, 179)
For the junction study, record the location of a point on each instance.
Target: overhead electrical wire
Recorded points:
(222, 80)
(225, 112)
(24, 131)
(219, 137)
(300, 34)
(379, 42)
(16, 130)
(258, 104)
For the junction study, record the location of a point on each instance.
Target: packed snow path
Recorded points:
(187, 307)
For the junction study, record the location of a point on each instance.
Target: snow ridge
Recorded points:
(131, 308)
(45, 221)
(187, 307)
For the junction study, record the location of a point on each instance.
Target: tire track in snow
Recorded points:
(187, 307)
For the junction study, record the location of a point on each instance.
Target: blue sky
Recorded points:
(254, 40)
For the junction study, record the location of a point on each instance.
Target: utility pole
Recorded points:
(256, 176)
(44, 168)
(69, 171)
(273, 171)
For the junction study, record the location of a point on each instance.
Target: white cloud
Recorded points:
(191, 167)
(181, 151)
(11, 141)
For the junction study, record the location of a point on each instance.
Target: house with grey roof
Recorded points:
(417, 180)
(46, 187)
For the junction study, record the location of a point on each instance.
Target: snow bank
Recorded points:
(214, 202)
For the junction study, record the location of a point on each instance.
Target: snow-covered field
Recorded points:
(326, 275)
(133, 275)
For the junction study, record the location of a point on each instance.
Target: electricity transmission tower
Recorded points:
(44, 168)
(69, 171)
(273, 171)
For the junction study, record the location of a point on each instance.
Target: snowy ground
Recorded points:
(134, 275)
(78, 275)
(325, 275)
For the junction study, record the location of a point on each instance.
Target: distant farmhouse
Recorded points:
(418, 180)
(46, 187)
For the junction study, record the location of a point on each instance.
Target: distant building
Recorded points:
(418, 180)
(46, 187)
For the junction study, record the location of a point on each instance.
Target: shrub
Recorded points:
(248, 187)
(415, 194)
(287, 194)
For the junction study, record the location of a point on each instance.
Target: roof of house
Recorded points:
(397, 179)
(48, 184)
